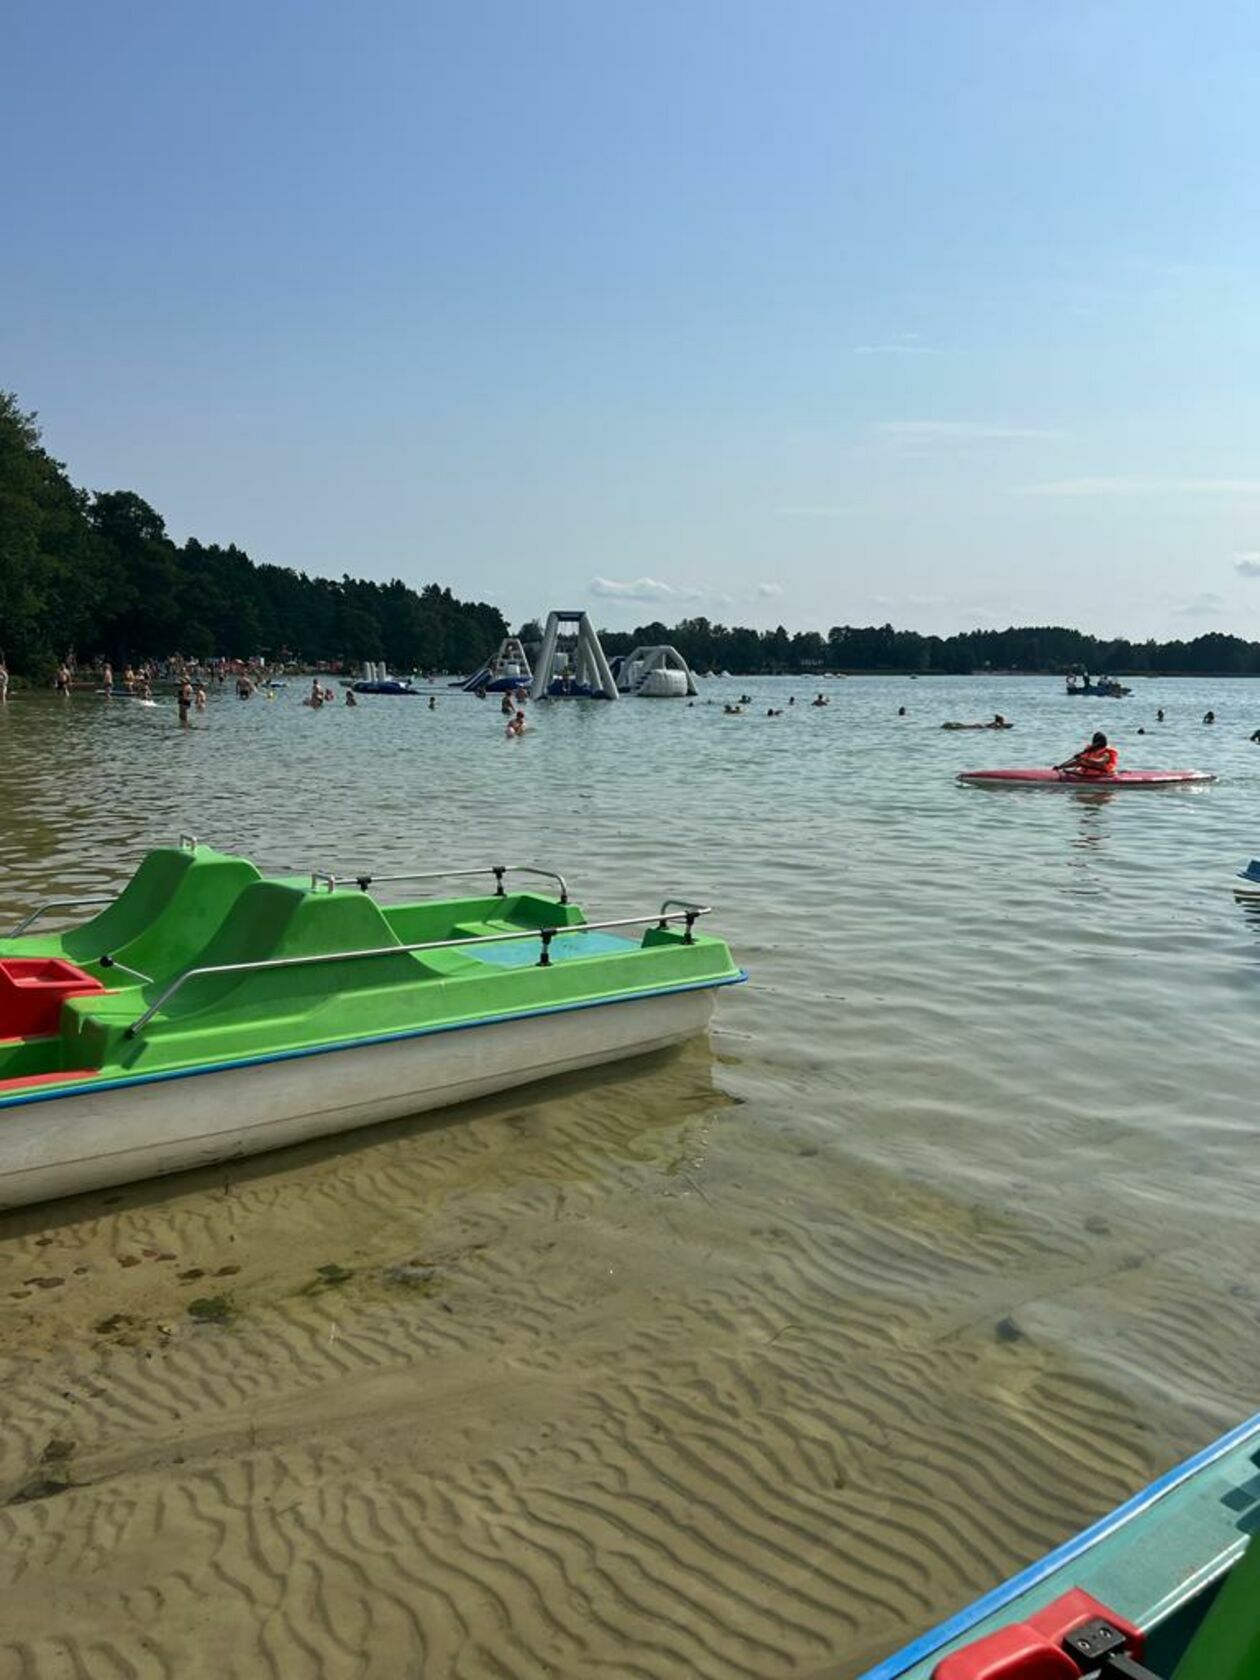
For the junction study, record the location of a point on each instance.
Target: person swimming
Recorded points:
(516, 726)
(1097, 759)
(1209, 717)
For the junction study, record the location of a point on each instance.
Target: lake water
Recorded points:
(752, 1359)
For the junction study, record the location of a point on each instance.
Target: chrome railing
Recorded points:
(59, 904)
(498, 870)
(188, 842)
(544, 935)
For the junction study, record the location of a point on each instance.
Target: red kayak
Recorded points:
(1075, 778)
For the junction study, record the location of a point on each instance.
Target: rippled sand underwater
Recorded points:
(750, 1359)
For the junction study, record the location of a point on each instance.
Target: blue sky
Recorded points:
(795, 312)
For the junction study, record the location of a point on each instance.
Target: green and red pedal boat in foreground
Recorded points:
(207, 1012)
(1165, 1588)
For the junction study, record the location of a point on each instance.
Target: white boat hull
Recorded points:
(90, 1139)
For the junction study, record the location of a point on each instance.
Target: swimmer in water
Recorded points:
(199, 698)
(1209, 717)
(516, 726)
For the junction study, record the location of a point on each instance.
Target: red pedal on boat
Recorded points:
(1034, 1648)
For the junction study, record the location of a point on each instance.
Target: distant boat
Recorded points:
(1106, 687)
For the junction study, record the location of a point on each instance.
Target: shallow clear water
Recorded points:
(752, 1360)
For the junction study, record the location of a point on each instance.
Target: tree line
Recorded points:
(96, 573)
(847, 647)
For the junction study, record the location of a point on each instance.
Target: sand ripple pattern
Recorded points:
(750, 1360)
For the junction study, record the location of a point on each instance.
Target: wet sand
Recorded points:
(542, 1389)
(751, 1361)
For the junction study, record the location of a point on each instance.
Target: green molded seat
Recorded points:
(269, 921)
(159, 922)
(201, 902)
(140, 901)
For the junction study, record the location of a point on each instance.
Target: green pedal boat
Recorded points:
(207, 1012)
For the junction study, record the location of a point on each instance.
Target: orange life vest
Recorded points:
(1098, 761)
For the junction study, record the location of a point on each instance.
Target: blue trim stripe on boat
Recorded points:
(18, 1099)
(936, 1639)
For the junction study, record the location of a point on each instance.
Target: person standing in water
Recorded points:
(4, 682)
(1097, 759)
(184, 700)
(63, 679)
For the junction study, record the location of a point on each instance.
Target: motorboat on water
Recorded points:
(1165, 1586)
(1080, 684)
(207, 1012)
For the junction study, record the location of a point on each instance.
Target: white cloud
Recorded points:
(652, 592)
(1144, 487)
(1247, 564)
(1206, 605)
(641, 589)
(957, 431)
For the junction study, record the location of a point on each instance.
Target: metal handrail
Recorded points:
(546, 935)
(686, 904)
(187, 842)
(498, 870)
(59, 904)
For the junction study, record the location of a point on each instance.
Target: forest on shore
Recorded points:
(94, 572)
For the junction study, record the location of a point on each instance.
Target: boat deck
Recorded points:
(1157, 1561)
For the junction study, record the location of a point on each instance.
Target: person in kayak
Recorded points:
(1097, 759)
